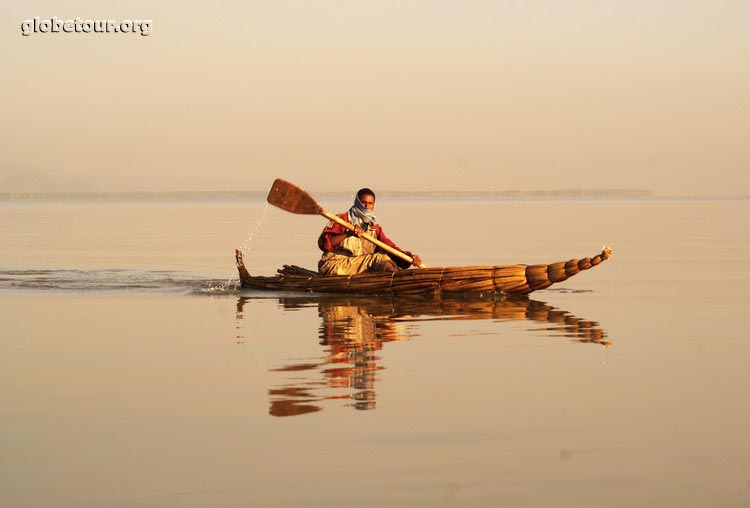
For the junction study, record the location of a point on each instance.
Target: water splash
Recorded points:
(251, 235)
(246, 245)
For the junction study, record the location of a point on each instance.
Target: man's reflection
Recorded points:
(354, 329)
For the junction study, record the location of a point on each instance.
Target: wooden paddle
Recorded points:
(291, 198)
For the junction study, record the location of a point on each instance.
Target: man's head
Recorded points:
(367, 198)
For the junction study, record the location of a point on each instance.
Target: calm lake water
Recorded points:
(134, 373)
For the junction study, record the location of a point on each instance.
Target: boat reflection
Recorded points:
(353, 329)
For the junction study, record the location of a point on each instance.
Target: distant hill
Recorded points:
(16, 179)
(259, 196)
(558, 193)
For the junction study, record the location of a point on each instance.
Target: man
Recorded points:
(346, 252)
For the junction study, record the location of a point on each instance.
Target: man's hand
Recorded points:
(417, 261)
(359, 231)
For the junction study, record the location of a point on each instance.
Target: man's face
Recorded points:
(368, 201)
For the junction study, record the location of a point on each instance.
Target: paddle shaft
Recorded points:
(385, 247)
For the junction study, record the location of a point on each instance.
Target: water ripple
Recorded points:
(111, 280)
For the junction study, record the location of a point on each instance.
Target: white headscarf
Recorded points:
(359, 215)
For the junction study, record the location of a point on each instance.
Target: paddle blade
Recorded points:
(291, 198)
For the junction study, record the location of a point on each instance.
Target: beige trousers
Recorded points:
(339, 264)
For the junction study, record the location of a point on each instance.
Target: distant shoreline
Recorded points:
(230, 196)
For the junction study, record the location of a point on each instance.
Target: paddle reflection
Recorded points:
(354, 329)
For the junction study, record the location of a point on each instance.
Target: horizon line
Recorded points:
(199, 195)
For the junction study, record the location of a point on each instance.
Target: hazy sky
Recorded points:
(409, 95)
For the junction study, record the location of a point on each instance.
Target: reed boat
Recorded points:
(517, 279)
(454, 280)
